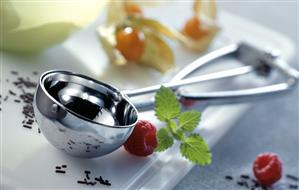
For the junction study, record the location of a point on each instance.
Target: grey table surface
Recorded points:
(271, 125)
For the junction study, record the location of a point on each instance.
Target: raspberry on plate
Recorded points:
(143, 139)
(267, 168)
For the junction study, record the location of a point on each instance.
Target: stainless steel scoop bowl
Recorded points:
(82, 116)
(87, 118)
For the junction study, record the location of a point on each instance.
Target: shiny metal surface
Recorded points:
(88, 118)
(255, 60)
(81, 116)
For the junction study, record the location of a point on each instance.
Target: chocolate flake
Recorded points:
(292, 186)
(87, 174)
(14, 72)
(244, 176)
(11, 92)
(292, 177)
(27, 126)
(60, 171)
(240, 183)
(229, 177)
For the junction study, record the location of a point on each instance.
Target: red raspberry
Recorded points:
(188, 102)
(143, 139)
(267, 168)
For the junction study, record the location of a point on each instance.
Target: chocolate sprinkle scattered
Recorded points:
(23, 86)
(11, 93)
(240, 183)
(60, 171)
(27, 126)
(17, 101)
(245, 176)
(292, 177)
(14, 72)
(247, 182)
(291, 186)
(229, 177)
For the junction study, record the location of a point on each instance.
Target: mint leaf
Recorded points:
(179, 135)
(165, 140)
(195, 149)
(167, 109)
(166, 104)
(172, 126)
(189, 120)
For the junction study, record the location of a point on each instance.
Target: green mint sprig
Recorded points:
(179, 126)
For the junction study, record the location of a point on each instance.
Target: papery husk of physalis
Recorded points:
(116, 9)
(202, 43)
(152, 3)
(206, 11)
(156, 26)
(195, 45)
(157, 53)
(108, 41)
(115, 12)
(205, 8)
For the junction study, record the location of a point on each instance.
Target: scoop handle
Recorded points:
(189, 81)
(256, 60)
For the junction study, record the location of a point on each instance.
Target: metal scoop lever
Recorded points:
(256, 60)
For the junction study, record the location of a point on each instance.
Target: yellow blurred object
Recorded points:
(31, 26)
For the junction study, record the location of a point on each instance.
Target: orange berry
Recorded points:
(130, 43)
(133, 9)
(193, 28)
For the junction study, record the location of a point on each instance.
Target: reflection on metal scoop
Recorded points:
(88, 118)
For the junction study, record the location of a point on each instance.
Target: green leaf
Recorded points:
(179, 135)
(172, 126)
(166, 104)
(195, 149)
(165, 140)
(189, 120)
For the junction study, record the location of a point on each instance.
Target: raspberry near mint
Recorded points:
(143, 139)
